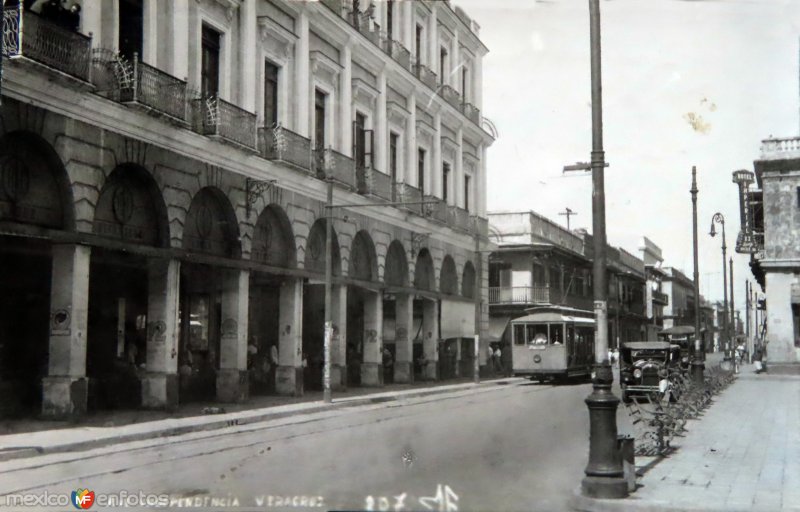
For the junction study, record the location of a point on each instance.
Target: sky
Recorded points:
(685, 83)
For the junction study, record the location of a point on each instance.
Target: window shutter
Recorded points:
(368, 148)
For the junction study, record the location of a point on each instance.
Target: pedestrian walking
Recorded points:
(498, 362)
(757, 359)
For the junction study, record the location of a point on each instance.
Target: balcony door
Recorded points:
(270, 94)
(319, 119)
(131, 28)
(209, 72)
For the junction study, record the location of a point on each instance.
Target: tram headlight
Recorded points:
(637, 373)
(537, 358)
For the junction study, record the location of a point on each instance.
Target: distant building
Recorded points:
(680, 290)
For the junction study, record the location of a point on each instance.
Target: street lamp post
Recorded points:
(733, 308)
(698, 359)
(604, 472)
(719, 219)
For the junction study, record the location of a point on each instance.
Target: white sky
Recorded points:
(733, 64)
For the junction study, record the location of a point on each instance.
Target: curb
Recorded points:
(581, 503)
(233, 419)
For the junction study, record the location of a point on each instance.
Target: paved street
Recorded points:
(513, 447)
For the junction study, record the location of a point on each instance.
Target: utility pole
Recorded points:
(733, 312)
(479, 269)
(698, 359)
(747, 293)
(326, 372)
(604, 473)
(568, 213)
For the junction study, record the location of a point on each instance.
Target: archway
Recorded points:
(397, 317)
(468, 281)
(426, 335)
(210, 228)
(314, 301)
(448, 278)
(273, 245)
(361, 304)
(34, 194)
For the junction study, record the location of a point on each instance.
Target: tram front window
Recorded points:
(557, 334)
(537, 334)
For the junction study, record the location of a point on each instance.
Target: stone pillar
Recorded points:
(339, 344)
(110, 22)
(160, 384)
(408, 25)
(346, 101)
(179, 38)
(92, 22)
(780, 333)
(481, 183)
(410, 170)
(381, 141)
(289, 377)
(455, 65)
(433, 43)
(459, 198)
(302, 95)
(247, 55)
(430, 340)
(232, 378)
(404, 350)
(477, 79)
(150, 32)
(65, 387)
(371, 366)
(436, 158)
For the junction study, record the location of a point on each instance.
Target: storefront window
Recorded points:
(198, 322)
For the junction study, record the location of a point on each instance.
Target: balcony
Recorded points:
(153, 89)
(371, 181)
(425, 75)
(218, 118)
(284, 145)
(780, 149)
(336, 166)
(451, 96)
(481, 225)
(522, 295)
(459, 218)
(409, 194)
(437, 210)
(472, 113)
(26, 35)
(660, 297)
(398, 52)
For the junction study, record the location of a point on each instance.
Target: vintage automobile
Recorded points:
(683, 336)
(645, 368)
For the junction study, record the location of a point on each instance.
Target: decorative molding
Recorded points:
(255, 189)
(276, 40)
(324, 67)
(449, 148)
(425, 129)
(396, 113)
(364, 93)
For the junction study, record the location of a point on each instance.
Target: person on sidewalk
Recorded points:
(757, 359)
(498, 360)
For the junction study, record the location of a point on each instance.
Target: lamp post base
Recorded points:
(604, 473)
(698, 368)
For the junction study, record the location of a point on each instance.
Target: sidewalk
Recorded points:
(33, 437)
(742, 454)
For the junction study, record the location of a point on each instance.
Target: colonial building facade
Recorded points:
(164, 203)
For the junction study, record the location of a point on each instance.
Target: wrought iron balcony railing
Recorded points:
(451, 96)
(409, 194)
(437, 210)
(279, 143)
(459, 218)
(481, 225)
(472, 113)
(398, 52)
(332, 164)
(154, 89)
(27, 35)
(425, 75)
(217, 117)
(523, 295)
(372, 181)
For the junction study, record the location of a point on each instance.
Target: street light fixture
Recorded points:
(698, 358)
(718, 218)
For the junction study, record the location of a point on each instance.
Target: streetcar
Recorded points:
(553, 343)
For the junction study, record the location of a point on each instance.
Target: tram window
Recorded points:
(570, 334)
(537, 334)
(557, 334)
(519, 334)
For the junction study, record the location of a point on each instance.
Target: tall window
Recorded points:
(442, 64)
(319, 119)
(464, 82)
(393, 138)
(389, 18)
(360, 140)
(270, 94)
(421, 170)
(418, 45)
(445, 180)
(467, 180)
(209, 73)
(131, 27)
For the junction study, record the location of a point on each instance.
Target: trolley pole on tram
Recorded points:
(698, 360)
(604, 472)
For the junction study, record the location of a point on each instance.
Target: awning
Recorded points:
(497, 326)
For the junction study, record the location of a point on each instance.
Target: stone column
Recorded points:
(409, 172)
(477, 79)
(180, 39)
(339, 344)
(346, 101)
(371, 366)
(404, 350)
(65, 387)
(455, 78)
(160, 384)
(381, 141)
(150, 32)
(408, 25)
(232, 379)
(433, 43)
(289, 377)
(430, 340)
(110, 23)
(92, 22)
(459, 198)
(436, 158)
(481, 183)
(247, 55)
(302, 84)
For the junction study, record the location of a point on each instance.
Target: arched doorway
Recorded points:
(211, 229)
(450, 318)
(361, 311)
(129, 210)
(397, 316)
(34, 196)
(273, 245)
(314, 302)
(425, 348)
(468, 281)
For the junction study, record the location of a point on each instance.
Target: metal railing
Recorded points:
(26, 34)
(155, 89)
(425, 75)
(279, 143)
(380, 184)
(214, 116)
(437, 210)
(459, 218)
(407, 193)
(398, 52)
(332, 164)
(472, 112)
(519, 295)
(451, 96)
